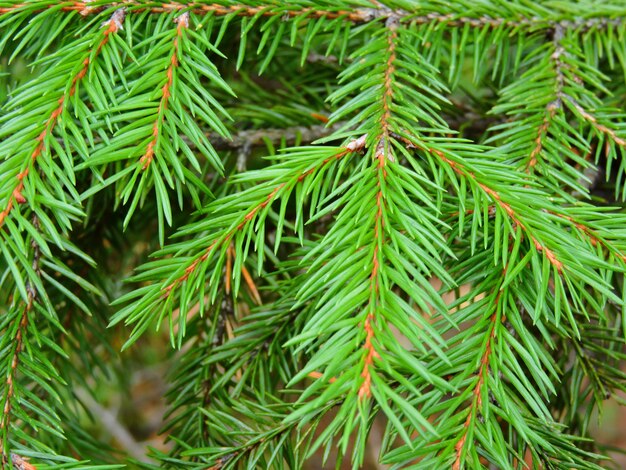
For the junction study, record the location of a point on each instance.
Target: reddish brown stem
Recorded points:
(10, 381)
(112, 26)
(593, 121)
(382, 155)
(146, 159)
(31, 293)
(553, 106)
(541, 134)
(357, 15)
(354, 146)
(84, 8)
(462, 171)
(483, 370)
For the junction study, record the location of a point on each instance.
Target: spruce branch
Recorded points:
(381, 155)
(112, 26)
(253, 204)
(248, 216)
(596, 124)
(496, 318)
(146, 158)
(455, 19)
(18, 346)
(459, 168)
(553, 106)
(403, 263)
(147, 128)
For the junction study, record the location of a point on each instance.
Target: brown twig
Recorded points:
(259, 137)
(16, 197)
(382, 154)
(245, 140)
(593, 121)
(166, 92)
(353, 146)
(460, 169)
(31, 292)
(20, 463)
(357, 15)
(557, 103)
(483, 370)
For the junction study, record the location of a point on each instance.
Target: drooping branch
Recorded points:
(382, 154)
(481, 374)
(166, 92)
(18, 347)
(594, 122)
(16, 197)
(353, 146)
(462, 171)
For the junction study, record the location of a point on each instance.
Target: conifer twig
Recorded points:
(382, 154)
(482, 372)
(357, 15)
(555, 104)
(31, 292)
(112, 26)
(460, 169)
(258, 137)
(353, 146)
(166, 91)
(593, 121)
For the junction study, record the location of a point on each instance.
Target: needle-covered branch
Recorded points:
(400, 283)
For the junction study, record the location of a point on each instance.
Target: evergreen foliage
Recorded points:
(313, 180)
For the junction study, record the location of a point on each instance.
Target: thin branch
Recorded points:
(353, 146)
(555, 104)
(10, 381)
(357, 15)
(31, 292)
(582, 227)
(381, 155)
(593, 237)
(245, 140)
(593, 121)
(110, 422)
(273, 433)
(483, 370)
(464, 172)
(251, 445)
(259, 137)
(84, 8)
(20, 463)
(146, 159)
(112, 26)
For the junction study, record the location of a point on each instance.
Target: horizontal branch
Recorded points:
(112, 26)
(352, 147)
(357, 15)
(297, 135)
(291, 136)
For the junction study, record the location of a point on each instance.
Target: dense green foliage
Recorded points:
(344, 213)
